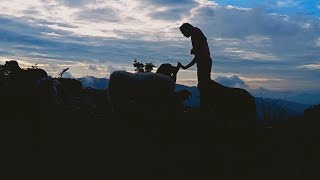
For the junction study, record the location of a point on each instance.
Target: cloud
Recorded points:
(98, 15)
(171, 13)
(231, 81)
(287, 3)
(248, 54)
(257, 39)
(93, 67)
(68, 75)
(54, 67)
(237, 8)
(318, 42)
(275, 83)
(208, 3)
(256, 35)
(188, 82)
(310, 66)
(112, 68)
(75, 3)
(91, 18)
(244, 40)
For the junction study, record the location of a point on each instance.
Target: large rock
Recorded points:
(229, 107)
(312, 117)
(24, 78)
(140, 92)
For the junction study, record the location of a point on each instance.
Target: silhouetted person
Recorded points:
(200, 50)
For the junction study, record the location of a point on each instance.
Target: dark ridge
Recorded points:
(56, 128)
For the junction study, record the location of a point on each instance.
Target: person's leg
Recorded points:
(204, 78)
(204, 97)
(204, 71)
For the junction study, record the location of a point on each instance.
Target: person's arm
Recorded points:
(189, 65)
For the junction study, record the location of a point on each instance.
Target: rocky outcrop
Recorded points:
(229, 107)
(142, 92)
(312, 117)
(24, 78)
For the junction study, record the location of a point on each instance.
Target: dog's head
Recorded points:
(167, 69)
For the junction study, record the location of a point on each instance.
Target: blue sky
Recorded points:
(270, 45)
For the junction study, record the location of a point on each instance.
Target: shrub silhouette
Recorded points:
(149, 67)
(140, 67)
(4, 75)
(62, 72)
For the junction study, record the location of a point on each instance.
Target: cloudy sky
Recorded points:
(255, 44)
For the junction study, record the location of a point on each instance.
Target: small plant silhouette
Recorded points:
(62, 72)
(5, 75)
(149, 67)
(140, 67)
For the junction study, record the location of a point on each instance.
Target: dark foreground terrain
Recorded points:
(79, 137)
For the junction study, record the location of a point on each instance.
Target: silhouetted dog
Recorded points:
(168, 70)
(171, 71)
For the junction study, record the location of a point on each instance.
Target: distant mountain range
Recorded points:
(277, 106)
(303, 97)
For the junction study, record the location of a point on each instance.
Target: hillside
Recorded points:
(73, 133)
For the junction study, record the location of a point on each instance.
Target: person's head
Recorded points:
(186, 29)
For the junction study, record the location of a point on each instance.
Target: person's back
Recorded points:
(199, 44)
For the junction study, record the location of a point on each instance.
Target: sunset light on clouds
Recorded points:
(266, 44)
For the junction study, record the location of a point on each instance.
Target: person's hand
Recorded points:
(181, 66)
